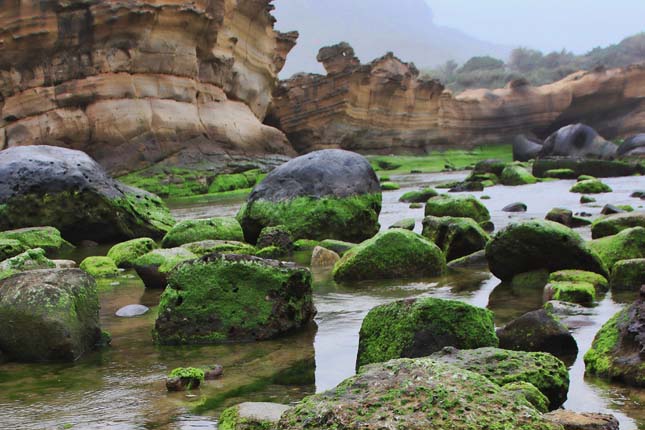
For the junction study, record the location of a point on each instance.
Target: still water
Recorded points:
(123, 386)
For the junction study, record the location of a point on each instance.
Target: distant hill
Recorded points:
(373, 28)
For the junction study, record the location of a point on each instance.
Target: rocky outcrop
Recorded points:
(137, 83)
(386, 106)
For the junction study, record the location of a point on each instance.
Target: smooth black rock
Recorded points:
(515, 207)
(526, 148)
(578, 141)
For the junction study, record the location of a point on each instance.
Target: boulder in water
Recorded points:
(578, 141)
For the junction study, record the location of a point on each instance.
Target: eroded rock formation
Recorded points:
(134, 83)
(386, 107)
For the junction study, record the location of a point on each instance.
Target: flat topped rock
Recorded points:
(262, 411)
(131, 311)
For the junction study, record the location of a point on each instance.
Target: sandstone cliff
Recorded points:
(137, 82)
(385, 107)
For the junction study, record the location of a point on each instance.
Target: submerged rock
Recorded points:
(457, 237)
(131, 311)
(417, 328)
(66, 189)
(49, 315)
(391, 254)
(184, 378)
(251, 416)
(329, 194)
(220, 298)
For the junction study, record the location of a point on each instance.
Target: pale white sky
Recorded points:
(578, 25)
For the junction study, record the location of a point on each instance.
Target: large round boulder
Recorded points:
(415, 394)
(66, 189)
(329, 194)
(391, 254)
(462, 206)
(533, 245)
(578, 141)
(194, 230)
(49, 315)
(418, 328)
(223, 298)
(457, 237)
(633, 146)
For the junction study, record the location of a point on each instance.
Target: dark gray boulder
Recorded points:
(632, 147)
(526, 148)
(66, 189)
(578, 141)
(515, 207)
(329, 194)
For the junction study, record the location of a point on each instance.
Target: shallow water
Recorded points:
(123, 386)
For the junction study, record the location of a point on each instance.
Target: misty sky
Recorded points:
(577, 25)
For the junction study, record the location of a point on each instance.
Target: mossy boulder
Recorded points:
(415, 394)
(234, 181)
(460, 206)
(338, 246)
(515, 175)
(533, 245)
(591, 186)
(599, 282)
(626, 245)
(184, 378)
(10, 248)
(278, 236)
(457, 237)
(586, 166)
(271, 252)
(406, 224)
(420, 196)
(501, 366)
(391, 254)
(251, 416)
(616, 352)
(614, 224)
(628, 275)
(32, 259)
(329, 194)
(418, 328)
(560, 174)
(570, 420)
(582, 293)
(566, 217)
(538, 331)
(205, 247)
(66, 189)
(390, 186)
(49, 315)
(47, 238)
(530, 393)
(153, 268)
(218, 228)
(220, 298)
(125, 253)
(305, 244)
(99, 267)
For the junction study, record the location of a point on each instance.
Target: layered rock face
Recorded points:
(386, 107)
(134, 83)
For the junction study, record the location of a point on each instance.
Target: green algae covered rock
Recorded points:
(205, 247)
(415, 394)
(614, 224)
(220, 298)
(390, 186)
(305, 244)
(628, 275)
(153, 268)
(582, 293)
(329, 194)
(32, 259)
(278, 236)
(599, 282)
(10, 248)
(99, 267)
(219, 228)
(560, 174)
(626, 245)
(533, 245)
(391, 254)
(591, 186)
(125, 253)
(406, 224)
(457, 237)
(418, 328)
(49, 315)
(271, 252)
(251, 416)
(338, 246)
(514, 175)
(184, 378)
(531, 393)
(502, 367)
(616, 352)
(420, 196)
(47, 238)
(457, 206)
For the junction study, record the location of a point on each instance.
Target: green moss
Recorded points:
(463, 206)
(587, 199)
(206, 247)
(599, 359)
(47, 238)
(531, 393)
(599, 282)
(614, 224)
(626, 208)
(585, 178)
(390, 186)
(391, 254)
(125, 253)
(352, 218)
(149, 214)
(31, 259)
(457, 237)
(591, 186)
(219, 228)
(10, 248)
(560, 174)
(235, 181)
(305, 244)
(626, 245)
(218, 298)
(338, 246)
(99, 267)
(193, 376)
(514, 175)
(164, 259)
(414, 328)
(420, 196)
(582, 293)
(536, 279)
(230, 419)
(170, 182)
(628, 275)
